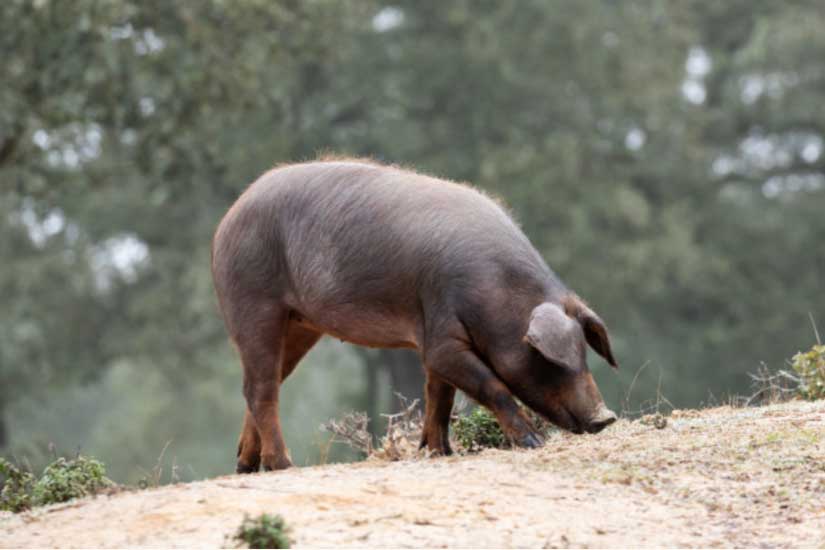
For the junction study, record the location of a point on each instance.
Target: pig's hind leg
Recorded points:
(259, 337)
(454, 361)
(299, 341)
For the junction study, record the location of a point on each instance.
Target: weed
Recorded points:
(400, 441)
(62, 480)
(807, 379)
(810, 366)
(154, 477)
(264, 531)
(16, 484)
(403, 436)
(351, 429)
(770, 387)
(478, 430)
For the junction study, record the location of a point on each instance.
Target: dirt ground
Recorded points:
(720, 477)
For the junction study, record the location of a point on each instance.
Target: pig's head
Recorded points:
(556, 381)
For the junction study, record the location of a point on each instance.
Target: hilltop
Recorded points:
(750, 477)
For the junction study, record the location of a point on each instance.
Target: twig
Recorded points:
(402, 436)
(351, 430)
(633, 384)
(779, 385)
(152, 478)
(816, 332)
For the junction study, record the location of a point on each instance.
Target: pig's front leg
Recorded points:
(435, 434)
(457, 364)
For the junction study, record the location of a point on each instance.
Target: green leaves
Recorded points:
(810, 366)
(264, 531)
(478, 430)
(15, 487)
(62, 480)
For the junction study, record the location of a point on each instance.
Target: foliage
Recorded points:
(810, 366)
(263, 531)
(62, 480)
(478, 430)
(15, 487)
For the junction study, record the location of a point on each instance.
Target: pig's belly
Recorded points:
(362, 326)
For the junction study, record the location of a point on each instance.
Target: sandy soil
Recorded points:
(720, 477)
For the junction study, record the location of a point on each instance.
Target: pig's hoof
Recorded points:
(529, 441)
(244, 468)
(274, 462)
(435, 450)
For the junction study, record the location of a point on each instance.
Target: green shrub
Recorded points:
(264, 531)
(15, 487)
(478, 430)
(810, 366)
(62, 480)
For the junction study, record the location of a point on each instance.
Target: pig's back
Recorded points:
(382, 239)
(354, 212)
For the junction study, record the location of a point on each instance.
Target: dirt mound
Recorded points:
(719, 477)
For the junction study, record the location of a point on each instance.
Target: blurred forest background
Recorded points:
(665, 157)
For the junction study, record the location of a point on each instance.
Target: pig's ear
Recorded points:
(555, 335)
(594, 328)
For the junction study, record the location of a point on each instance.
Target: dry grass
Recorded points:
(400, 442)
(730, 477)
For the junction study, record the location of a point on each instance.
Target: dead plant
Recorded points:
(351, 429)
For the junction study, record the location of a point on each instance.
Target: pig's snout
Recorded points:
(602, 419)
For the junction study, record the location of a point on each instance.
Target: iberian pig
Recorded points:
(385, 257)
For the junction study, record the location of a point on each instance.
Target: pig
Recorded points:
(386, 257)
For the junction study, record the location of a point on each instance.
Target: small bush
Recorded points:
(16, 484)
(264, 531)
(478, 430)
(810, 366)
(62, 480)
